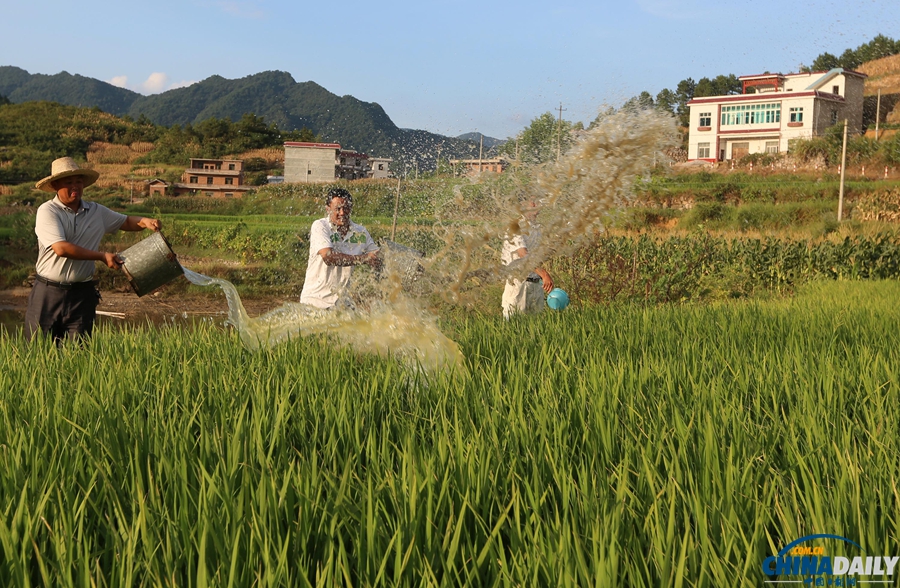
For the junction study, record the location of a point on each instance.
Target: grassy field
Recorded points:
(675, 445)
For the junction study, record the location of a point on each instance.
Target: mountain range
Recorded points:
(273, 95)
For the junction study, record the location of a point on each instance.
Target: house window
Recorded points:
(209, 193)
(834, 117)
(796, 114)
(229, 181)
(771, 146)
(836, 90)
(209, 180)
(751, 114)
(231, 166)
(380, 167)
(229, 195)
(705, 119)
(702, 150)
(194, 179)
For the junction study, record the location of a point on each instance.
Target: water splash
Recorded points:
(569, 200)
(397, 328)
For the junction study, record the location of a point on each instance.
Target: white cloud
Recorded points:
(156, 83)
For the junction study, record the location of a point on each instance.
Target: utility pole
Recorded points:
(559, 131)
(877, 113)
(396, 210)
(843, 171)
(480, 150)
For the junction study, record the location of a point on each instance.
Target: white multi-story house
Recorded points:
(773, 110)
(380, 167)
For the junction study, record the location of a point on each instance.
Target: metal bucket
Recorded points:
(150, 263)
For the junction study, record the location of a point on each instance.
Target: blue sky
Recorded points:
(445, 67)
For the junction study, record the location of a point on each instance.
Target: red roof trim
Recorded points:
(762, 76)
(316, 145)
(765, 97)
(802, 73)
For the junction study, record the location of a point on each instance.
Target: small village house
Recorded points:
(352, 165)
(216, 178)
(380, 168)
(326, 162)
(772, 111)
(471, 167)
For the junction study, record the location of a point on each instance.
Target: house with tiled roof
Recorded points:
(215, 178)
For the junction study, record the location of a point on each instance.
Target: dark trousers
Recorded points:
(62, 313)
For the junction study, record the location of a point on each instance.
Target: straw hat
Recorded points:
(63, 168)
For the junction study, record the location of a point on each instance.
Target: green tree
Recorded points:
(824, 62)
(253, 133)
(175, 146)
(877, 48)
(643, 101)
(684, 92)
(849, 59)
(541, 140)
(304, 135)
(666, 100)
(880, 46)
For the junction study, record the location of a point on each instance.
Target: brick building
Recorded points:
(217, 178)
(477, 166)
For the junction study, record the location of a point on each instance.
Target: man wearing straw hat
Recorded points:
(63, 301)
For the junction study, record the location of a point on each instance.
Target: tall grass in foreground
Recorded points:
(610, 446)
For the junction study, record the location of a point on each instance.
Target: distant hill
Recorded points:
(273, 95)
(73, 90)
(489, 142)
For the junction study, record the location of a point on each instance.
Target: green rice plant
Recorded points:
(619, 445)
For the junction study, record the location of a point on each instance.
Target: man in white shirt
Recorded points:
(525, 296)
(63, 301)
(336, 244)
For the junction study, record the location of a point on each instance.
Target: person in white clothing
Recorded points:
(336, 244)
(525, 296)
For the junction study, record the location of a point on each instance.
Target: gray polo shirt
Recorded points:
(55, 222)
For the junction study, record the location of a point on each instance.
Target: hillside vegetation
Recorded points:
(271, 95)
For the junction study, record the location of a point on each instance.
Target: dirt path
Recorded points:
(155, 307)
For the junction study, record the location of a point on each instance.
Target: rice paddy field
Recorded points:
(620, 445)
